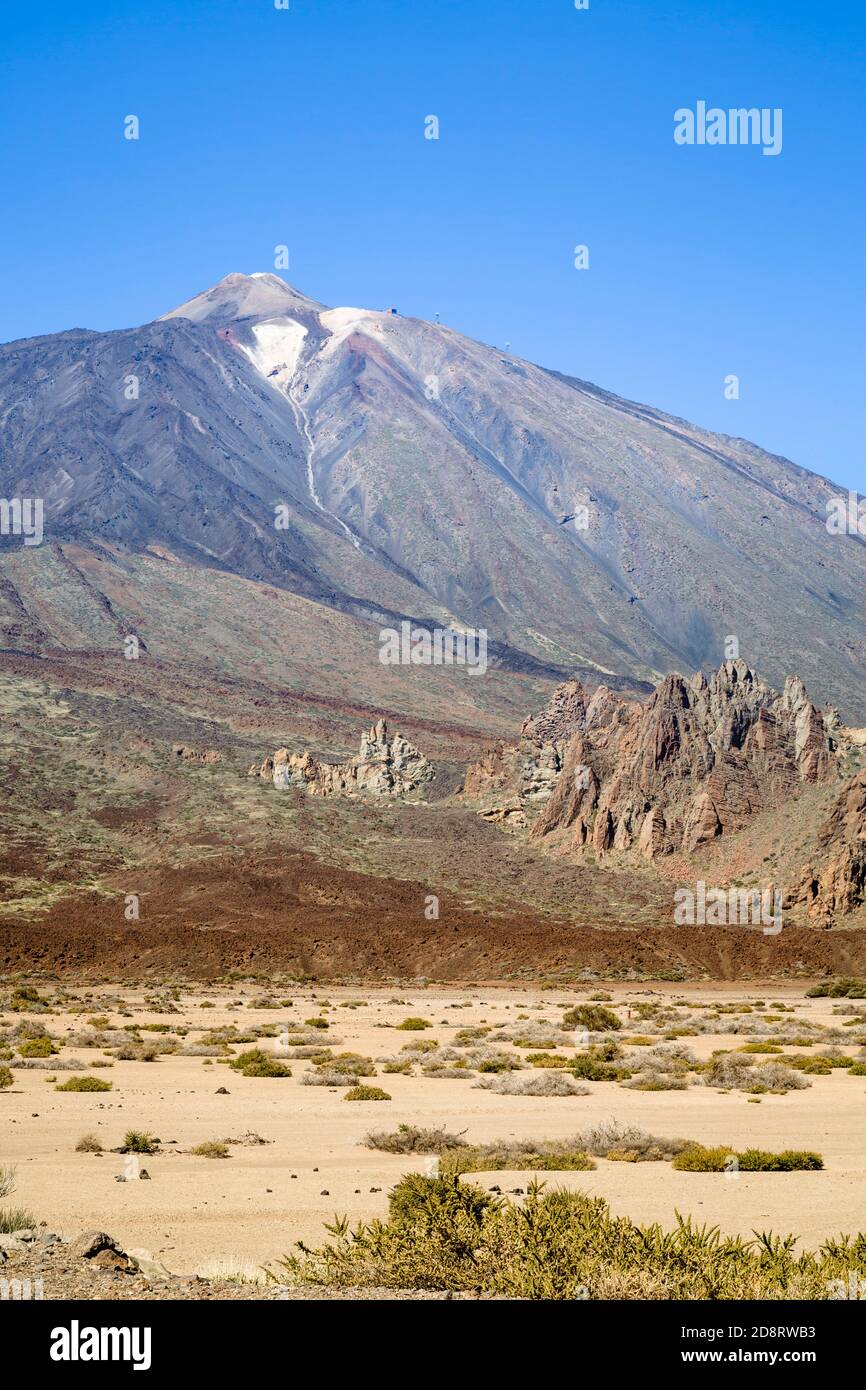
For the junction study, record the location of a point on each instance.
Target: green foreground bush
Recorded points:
(447, 1235)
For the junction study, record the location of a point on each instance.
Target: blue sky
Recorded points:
(305, 127)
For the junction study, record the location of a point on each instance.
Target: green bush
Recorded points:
(594, 1017)
(414, 1025)
(84, 1083)
(699, 1159)
(845, 988)
(547, 1156)
(38, 1047)
(444, 1234)
(135, 1141)
(258, 1063)
(6, 1078)
(366, 1093)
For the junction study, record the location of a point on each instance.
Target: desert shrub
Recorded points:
(547, 1059)
(136, 1141)
(444, 1234)
(88, 1144)
(492, 1065)
(590, 1066)
(414, 1025)
(141, 1052)
(759, 1047)
(402, 1065)
(613, 1136)
(788, 1161)
(857, 1069)
(258, 1063)
(845, 988)
(316, 1023)
(25, 999)
(324, 1076)
(84, 1083)
(38, 1047)
(655, 1081)
(699, 1159)
(15, 1219)
(351, 1062)
(517, 1155)
(465, 1036)
(545, 1083)
(366, 1093)
(732, 1071)
(595, 1018)
(410, 1139)
(212, 1148)
(6, 1078)
(420, 1045)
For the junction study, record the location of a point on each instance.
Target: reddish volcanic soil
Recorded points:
(259, 914)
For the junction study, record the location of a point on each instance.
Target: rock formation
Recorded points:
(384, 766)
(698, 759)
(835, 882)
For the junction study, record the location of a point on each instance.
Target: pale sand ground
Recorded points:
(248, 1209)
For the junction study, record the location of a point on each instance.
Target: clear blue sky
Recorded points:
(306, 127)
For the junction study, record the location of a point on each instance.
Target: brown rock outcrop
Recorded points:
(835, 882)
(698, 759)
(384, 766)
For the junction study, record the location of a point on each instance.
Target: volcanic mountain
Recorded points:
(371, 467)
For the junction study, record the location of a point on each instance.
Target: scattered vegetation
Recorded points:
(845, 988)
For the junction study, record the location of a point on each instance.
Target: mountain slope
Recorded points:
(429, 476)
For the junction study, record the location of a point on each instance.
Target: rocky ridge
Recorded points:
(697, 760)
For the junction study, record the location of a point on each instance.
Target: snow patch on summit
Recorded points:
(278, 344)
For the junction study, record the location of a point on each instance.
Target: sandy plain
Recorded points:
(200, 1215)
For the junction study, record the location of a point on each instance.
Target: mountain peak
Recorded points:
(237, 296)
